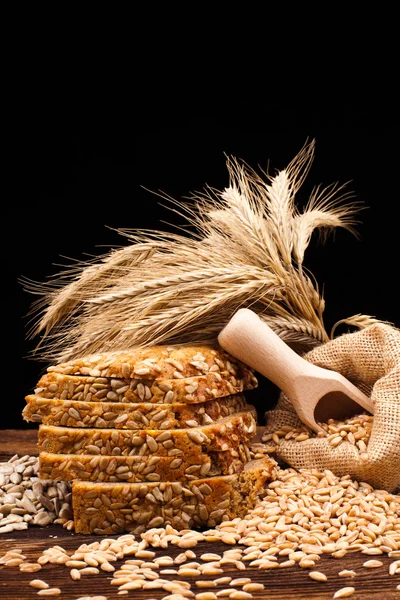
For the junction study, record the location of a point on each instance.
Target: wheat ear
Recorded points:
(246, 249)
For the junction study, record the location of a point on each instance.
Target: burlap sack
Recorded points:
(370, 359)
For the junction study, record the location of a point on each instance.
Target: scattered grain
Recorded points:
(240, 595)
(373, 564)
(394, 567)
(206, 596)
(29, 567)
(75, 574)
(345, 592)
(39, 583)
(210, 556)
(187, 543)
(210, 570)
(203, 583)
(240, 581)
(89, 571)
(317, 576)
(287, 563)
(223, 580)
(187, 572)
(145, 554)
(253, 587)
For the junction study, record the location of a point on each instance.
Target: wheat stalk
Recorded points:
(245, 248)
(360, 321)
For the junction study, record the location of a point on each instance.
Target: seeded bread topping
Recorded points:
(190, 442)
(157, 362)
(190, 390)
(107, 508)
(86, 467)
(126, 415)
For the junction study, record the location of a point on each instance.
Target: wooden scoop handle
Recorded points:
(253, 342)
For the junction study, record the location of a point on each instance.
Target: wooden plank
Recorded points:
(18, 441)
(280, 584)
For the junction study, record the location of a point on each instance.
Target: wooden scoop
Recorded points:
(317, 394)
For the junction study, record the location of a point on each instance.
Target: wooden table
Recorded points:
(280, 584)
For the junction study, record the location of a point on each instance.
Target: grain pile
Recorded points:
(150, 437)
(356, 430)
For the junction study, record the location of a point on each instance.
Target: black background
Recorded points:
(79, 175)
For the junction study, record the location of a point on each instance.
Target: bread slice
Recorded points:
(110, 508)
(154, 362)
(126, 415)
(189, 443)
(102, 468)
(188, 390)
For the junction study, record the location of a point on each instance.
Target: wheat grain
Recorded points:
(373, 564)
(188, 572)
(345, 592)
(355, 430)
(210, 556)
(240, 595)
(39, 584)
(394, 567)
(92, 598)
(222, 580)
(317, 576)
(240, 581)
(253, 587)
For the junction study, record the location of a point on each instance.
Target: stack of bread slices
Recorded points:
(149, 437)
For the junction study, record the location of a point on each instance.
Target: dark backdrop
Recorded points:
(78, 175)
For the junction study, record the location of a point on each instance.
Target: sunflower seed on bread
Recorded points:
(192, 441)
(127, 415)
(107, 508)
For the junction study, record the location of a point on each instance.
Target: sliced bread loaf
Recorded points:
(190, 442)
(109, 508)
(127, 415)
